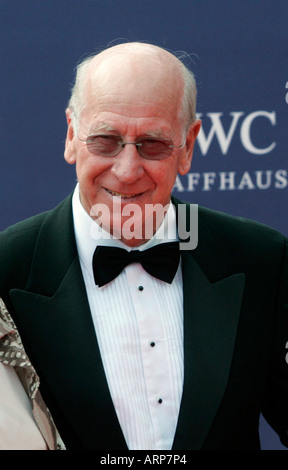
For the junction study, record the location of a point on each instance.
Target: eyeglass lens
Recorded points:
(105, 145)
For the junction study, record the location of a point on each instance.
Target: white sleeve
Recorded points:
(18, 430)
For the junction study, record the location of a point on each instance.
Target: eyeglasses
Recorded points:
(149, 148)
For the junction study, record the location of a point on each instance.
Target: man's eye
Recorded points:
(103, 139)
(154, 146)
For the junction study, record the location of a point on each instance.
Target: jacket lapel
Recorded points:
(211, 312)
(54, 320)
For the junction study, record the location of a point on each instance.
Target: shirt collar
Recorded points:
(89, 234)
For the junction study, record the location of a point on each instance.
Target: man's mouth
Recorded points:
(123, 195)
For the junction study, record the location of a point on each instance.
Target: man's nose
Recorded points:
(128, 164)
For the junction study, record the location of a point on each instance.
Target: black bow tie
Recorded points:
(160, 261)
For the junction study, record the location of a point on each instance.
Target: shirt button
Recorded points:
(160, 400)
(140, 288)
(152, 344)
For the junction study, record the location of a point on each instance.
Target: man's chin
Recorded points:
(128, 229)
(132, 223)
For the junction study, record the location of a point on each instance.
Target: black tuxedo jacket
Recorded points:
(235, 331)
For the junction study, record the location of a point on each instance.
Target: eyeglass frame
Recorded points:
(121, 145)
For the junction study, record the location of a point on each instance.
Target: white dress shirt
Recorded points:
(138, 321)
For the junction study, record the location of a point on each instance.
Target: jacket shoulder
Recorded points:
(32, 225)
(17, 243)
(226, 226)
(238, 230)
(228, 244)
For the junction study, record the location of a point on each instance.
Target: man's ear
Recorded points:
(69, 152)
(186, 158)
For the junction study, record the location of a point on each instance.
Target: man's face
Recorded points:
(131, 108)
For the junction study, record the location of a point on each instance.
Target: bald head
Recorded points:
(143, 68)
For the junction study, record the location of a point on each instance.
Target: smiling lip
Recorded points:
(128, 196)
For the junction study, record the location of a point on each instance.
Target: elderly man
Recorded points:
(140, 345)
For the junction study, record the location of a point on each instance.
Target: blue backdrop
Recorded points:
(238, 52)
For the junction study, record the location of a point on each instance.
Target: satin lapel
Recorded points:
(53, 316)
(211, 312)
